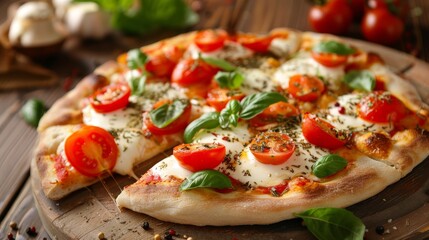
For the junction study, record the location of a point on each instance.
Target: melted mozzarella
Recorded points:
(170, 167)
(123, 118)
(306, 65)
(130, 147)
(256, 80)
(284, 47)
(231, 50)
(253, 173)
(350, 119)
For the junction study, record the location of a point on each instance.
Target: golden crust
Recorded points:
(164, 201)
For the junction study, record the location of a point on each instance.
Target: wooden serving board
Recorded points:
(401, 208)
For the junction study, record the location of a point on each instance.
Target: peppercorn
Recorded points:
(13, 225)
(172, 232)
(167, 236)
(379, 230)
(156, 237)
(145, 226)
(31, 231)
(10, 236)
(101, 235)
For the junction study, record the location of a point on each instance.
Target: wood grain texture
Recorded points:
(401, 202)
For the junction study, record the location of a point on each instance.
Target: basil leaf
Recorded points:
(333, 47)
(206, 121)
(360, 80)
(328, 165)
(33, 111)
(167, 113)
(230, 80)
(230, 114)
(220, 63)
(206, 178)
(136, 59)
(137, 85)
(333, 223)
(256, 103)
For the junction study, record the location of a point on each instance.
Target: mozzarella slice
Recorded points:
(306, 65)
(130, 148)
(123, 118)
(284, 47)
(257, 80)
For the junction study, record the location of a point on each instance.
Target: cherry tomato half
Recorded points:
(91, 151)
(381, 26)
(219, 97)
(381, 107)
(256, 43)
(272, 148)
(321, 133)
(176, 126)
(210, 40)
(274, 113)
(305, 88)
(191, 71)
(199, 156)
(110, 98)
(329, 59)
(334, 17)
(161, 63)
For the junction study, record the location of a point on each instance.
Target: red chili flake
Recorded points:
(337, 104)
(342, 110)
(172, 232)
(31, 231)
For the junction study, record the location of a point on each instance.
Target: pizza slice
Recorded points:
(133, 109)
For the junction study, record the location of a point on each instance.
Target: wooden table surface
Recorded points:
(17, 138)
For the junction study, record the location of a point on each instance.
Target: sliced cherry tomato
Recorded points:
(256, 43)
(329, 59)
(274, 113)
(381, 107)
(199, 156)
(272, 148)
(334, 17)
(321, 133)
(91, 150)
(381, 26)
(191, 71)
(176, 126)
(210, 40)
(161, 63)
(110, 98)
(219, 97)
(305, 88)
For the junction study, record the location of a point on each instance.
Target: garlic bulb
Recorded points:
(33, 25)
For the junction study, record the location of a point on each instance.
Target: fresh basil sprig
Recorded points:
(360, 80)
(333, 47)
(333, 223)
(206, 179)
(256, 103)
(230, 80)
(220, 63)
(136, 59)
(230, 114)
(328, 165)
(137, 85)
(167, 113)
(206, 121)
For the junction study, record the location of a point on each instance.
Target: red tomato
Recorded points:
(334, 17)
(272, 148)
(110, 98)
(210, 40)
(191, 71)
(380, 26)
(358, 8)
(176, 126)
(256, 43)
(91, 151)
(329, 59)
(381, 107)
(161, 63)
(219, 97)
(199, 156)
(274, 113)
(305, 88)
(321, 133)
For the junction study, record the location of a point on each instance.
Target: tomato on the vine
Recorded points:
(199, 156)
(334, 17)
(381, 26)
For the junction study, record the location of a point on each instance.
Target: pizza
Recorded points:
(262, 127)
